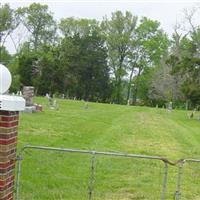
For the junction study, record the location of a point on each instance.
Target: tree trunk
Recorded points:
(119, 80)
(129, 84)
(119, 90)
(136, 86)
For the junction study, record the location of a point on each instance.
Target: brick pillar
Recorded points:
(8, 137)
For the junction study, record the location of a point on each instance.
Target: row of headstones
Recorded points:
(28, 94)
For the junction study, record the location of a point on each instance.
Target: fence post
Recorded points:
(178, 182)
(164, 181)
(19, 159)
(91, 179)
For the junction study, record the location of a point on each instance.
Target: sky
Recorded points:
(166, 12)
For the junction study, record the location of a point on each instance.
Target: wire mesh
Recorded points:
(171, 182)
(190, 180)
(91, 175)
(50, 175)
(127, 178)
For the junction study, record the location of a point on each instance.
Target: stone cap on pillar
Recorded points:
(12, 103)
(7, 102)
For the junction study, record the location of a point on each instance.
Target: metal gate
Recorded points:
(150, 173)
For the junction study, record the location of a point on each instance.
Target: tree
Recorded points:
(40, 68)
(188, 66)
(7, 24)
(39, 22)
(164, 86)
(147, 49)
(83, 27)
(42, 29)
(25, 68)
(185, 61)
(5, 56)
(84, 58)
(76, 67)
(118, 32)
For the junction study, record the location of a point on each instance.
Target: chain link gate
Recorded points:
(110, 163)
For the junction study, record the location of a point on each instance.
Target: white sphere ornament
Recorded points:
(5, 79)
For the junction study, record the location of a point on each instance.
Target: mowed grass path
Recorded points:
(103, 127)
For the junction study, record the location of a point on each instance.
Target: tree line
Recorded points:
(119, 59)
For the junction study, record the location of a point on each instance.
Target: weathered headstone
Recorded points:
(28, 93)
(169, 106)
(62, 96)
(191, 115)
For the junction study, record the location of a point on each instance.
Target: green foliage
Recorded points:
(39, 22)
(6, 19)
(100, 61)
(7, 25)
(148, 47)
(25, 69)
(153, 41)
(118, 32)
(13, 68)
(76, 67)
(82, 27)
(84, 61)
(5, 56)
(188, 65)
(142, 82)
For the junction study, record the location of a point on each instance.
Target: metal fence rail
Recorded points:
(92, 165)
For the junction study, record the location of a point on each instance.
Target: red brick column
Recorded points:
(8, 136)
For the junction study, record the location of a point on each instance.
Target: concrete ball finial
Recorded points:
(5, 79)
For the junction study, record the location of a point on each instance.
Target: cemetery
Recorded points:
(103, 128)
(96, 109)
(112, 128)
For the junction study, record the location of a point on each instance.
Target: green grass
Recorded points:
(104, 127)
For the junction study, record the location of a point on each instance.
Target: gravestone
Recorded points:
(191, 115)
(28, 94)
(169, 106)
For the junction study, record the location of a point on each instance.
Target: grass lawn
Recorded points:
(104, 127)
